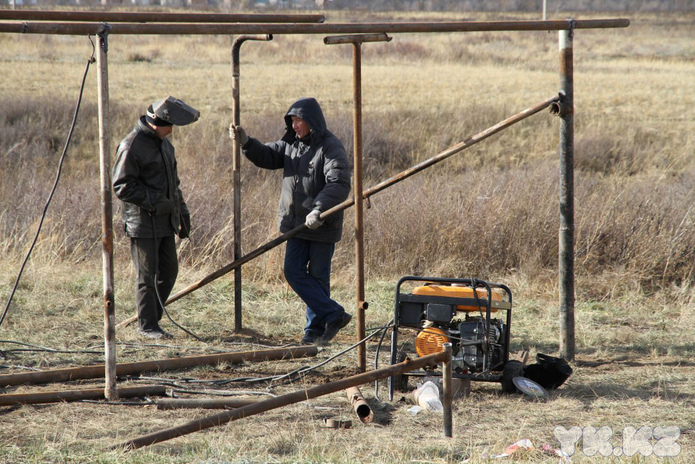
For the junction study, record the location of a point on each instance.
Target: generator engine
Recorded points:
(474, 317)
(475, 348)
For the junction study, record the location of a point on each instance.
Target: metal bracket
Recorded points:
(559, 107)
(572, 26)
(356, 39)
(104, 34)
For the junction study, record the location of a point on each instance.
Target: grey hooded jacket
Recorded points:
(143, 176)
(316, 172)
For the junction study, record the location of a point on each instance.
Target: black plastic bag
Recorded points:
(549, 372)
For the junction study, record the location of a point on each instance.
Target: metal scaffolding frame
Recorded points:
(102, 24)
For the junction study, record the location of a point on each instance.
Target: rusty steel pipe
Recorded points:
(335, 28)
(359, 405)
(566, 232)
(79, 395)
(110, 387)
(215, 403)
(447, 391)
(376, 189)
(236, 168)
(280, 401)
(358, 189)
(91, 372)
(135, 17)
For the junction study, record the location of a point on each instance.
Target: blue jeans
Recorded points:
(308, 271)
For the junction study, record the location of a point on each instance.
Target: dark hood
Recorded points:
(310, 111)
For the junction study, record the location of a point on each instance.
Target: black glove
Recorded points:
(185, 229)
(162, 205)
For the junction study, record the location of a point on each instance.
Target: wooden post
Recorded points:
(110, 390)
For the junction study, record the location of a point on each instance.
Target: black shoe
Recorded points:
(309, 338)
(334, 327)
(155, 334)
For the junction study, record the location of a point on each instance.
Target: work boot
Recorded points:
(155, 334)
(333, 328)
(309, 338)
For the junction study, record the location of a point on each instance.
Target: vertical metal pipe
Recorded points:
(545, 9)
(358, 188)
(566, 235)
(447, 391)
(236, 170)
(110, 390)
(236, 183)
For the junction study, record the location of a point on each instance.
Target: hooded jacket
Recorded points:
(143, 175)
(316, 172)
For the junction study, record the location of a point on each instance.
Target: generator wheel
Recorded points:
(400, 381)
(511, 369)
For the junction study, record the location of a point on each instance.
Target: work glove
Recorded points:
(238, 131)
(312, 220)
(185, 229)
(162, 205)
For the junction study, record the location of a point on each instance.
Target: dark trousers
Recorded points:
(155, 263)
(308, 271)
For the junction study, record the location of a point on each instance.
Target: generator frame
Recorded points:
(410, 308)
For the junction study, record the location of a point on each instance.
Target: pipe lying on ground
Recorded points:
(359, 405)
(78, 395)
(284, 400)
(122, 369)
(202, 403)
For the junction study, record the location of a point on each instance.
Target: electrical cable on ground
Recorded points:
(292, 376)
(55, 185)
(303, 372)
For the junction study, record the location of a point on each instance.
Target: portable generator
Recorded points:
(473, 315)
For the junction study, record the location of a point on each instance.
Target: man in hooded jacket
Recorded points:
(145, 178)
(316, 177)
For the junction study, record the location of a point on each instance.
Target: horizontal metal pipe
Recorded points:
(78, 395)
(92, 372)
(355, 39)
(283, 400)
(136, 17)
(367, 193)
(325, 28)
(202, 403)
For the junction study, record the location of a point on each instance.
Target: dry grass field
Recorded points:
(490, 212)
